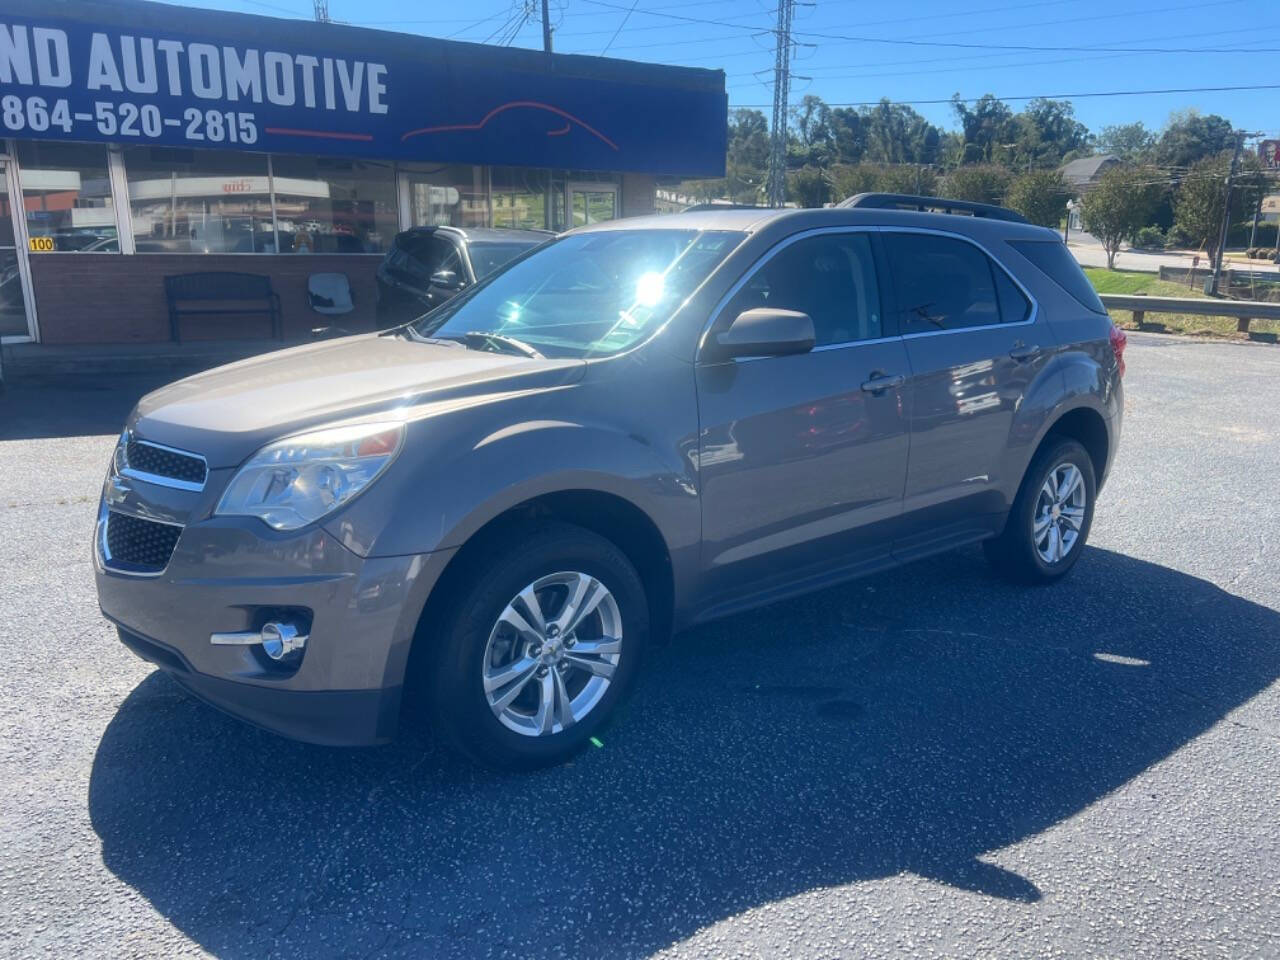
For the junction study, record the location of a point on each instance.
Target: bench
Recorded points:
(184, 289)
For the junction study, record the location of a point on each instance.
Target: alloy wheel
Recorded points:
(1060, 511)
(552, 653)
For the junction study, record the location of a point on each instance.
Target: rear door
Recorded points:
(974, 348)
(802, 467)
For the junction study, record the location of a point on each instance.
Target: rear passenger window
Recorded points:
(831, 277)
(948, 284)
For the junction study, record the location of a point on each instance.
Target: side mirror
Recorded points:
(765, 332)
(446, 280)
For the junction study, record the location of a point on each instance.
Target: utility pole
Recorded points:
(322, 11)
(546, 27)
(1226, 216)
(776, 188)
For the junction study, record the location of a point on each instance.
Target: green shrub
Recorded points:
(1149, 238)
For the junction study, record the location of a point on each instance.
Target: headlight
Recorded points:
(298, 480)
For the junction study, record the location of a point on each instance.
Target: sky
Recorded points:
(853, 51)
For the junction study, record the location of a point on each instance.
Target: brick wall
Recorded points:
(110, 298)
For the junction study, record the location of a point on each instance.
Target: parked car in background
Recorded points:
(639, 426)
(428, 265)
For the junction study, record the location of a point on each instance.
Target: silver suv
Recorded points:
(631, 429)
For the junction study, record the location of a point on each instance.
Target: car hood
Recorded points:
(230, 412)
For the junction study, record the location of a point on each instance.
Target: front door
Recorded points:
(593, 203)
(14, 320)
(802, 458)
(974, 350)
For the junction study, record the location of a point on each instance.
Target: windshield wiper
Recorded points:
(434, 341)
(502, 340)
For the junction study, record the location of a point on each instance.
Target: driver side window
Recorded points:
(831, 277)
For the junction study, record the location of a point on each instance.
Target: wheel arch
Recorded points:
(609, 515)
(1089, 428)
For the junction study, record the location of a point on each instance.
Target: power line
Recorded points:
(1037, 96)
(620, 26)
(1015, 47)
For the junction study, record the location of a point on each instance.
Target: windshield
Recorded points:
(487, 257)
(587, 294)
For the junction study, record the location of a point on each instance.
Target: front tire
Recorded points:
(540, 649)
(1051, 516)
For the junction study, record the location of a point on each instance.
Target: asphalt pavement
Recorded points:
(925, 763)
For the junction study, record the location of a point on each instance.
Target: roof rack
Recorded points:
(906, 201)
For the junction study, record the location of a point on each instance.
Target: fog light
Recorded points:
(281, 639)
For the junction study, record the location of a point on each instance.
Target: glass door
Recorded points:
(14, 322)
(593, 202)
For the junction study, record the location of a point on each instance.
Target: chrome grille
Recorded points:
(135, 545)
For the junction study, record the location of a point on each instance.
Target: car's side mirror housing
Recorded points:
(446, 280)
(764, 332)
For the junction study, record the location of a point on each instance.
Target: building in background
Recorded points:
(140, 140)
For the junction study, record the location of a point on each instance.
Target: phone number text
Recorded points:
(37, 115)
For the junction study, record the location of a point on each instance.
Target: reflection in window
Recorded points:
(199, 201)
(452, 196)
(524, 199)
(334, 206)
(831, 277)
(66, 194)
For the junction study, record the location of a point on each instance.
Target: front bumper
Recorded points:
(231, 574)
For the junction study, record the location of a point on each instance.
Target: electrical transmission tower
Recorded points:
(776, 185)
(322, 11)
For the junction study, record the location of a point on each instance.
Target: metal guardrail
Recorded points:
(1244, 311)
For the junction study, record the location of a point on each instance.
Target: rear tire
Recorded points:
(518, 681)
(1049, 523)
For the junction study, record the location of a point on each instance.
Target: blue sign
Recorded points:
(266, 88)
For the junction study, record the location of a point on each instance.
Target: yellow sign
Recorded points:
(40, 244)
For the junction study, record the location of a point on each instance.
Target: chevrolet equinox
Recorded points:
(631, 429)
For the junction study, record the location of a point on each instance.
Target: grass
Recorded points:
(1150, 284)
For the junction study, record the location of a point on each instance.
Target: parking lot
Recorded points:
(928, 762)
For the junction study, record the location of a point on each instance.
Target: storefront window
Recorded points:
(452, 196)
(66, 194)
(334, 206)
(525, 199)
(199, 201)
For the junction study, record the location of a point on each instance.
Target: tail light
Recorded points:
(1119, 340)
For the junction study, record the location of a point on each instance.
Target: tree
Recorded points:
(897, 134)
(1190, 137)
(848, 179)
(978, 183)
(813, 141)
(1040, 196)
(808, 187)
(1119, 205)
(1045, 132)
(1131, 142)
(848, 134)
(1198, 205)
(988, 127)
(748, 139)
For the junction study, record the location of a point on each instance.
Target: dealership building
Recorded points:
(140, 141)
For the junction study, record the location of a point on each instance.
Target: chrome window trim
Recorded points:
(1032, 317)
(155, 478)
(104, 552)
(782, 244)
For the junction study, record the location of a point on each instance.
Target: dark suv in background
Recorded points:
(639, 426)
(427, 265)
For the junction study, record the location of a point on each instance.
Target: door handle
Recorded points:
(880, 382)
(1022, 353)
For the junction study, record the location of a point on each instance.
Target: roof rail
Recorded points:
(906, 201)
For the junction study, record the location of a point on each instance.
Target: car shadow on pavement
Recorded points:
(917, 721)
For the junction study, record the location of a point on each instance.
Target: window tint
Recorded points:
(1014, 305)
(1055, 260)
(420, 256)
(942, 283)
(487, 257)
(830, 277)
